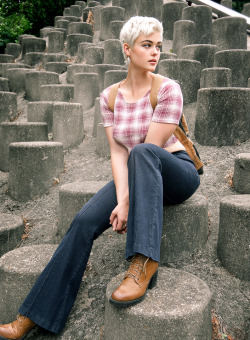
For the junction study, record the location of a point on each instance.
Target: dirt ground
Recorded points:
(230, 295)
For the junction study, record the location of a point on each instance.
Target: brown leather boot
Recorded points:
(141, 275)
(18, 329)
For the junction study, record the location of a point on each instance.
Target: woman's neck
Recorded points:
(137, 82)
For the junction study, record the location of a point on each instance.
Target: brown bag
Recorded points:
(181, 131)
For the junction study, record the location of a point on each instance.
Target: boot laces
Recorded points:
(137, 267)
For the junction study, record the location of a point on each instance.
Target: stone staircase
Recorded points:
(54, 156)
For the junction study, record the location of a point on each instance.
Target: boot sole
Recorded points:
(124, 304)
(23, 337)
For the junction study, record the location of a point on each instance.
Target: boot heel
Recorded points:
(153, 281)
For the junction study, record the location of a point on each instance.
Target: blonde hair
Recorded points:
(138, 25)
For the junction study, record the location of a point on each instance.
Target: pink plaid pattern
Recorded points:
(131, 121)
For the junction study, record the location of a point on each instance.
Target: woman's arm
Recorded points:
(119, 159)
(159, 133)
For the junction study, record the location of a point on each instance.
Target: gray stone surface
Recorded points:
(8, 106)
(233, 239)
(102, 144)
(204, 53)
(45, 30)
(73, 40)
(222, 116)
(68, 126)
(238, 61)
(185, 229)
(179, 307)
(16, 78)
(86, 89)
(53, 57)
(57, 92)
(81, 50)
(33, 167)
(115, 29)
(76, 10)
(202, 17)
(5, 58)
(35, 79)
(94, 55)
(241, 177)
(171, 12)
(150, 8)
(19, 132)
(78, 68)
(246, 9)
(97, 16)
(80, 27)
(130, 7)
(7, 66)
(62, 24)
(186, 72)
(19, 269)
(114, 76)
(57, 66)
(113, 52)
(32, 44)
(11, 231)
(184, 34)
(97, 116)
(229, 33)
(101, 69)
(4, 84)
(41, 112)
(108, 14)
(72, 197)
(55, 41)
(33, 58)
(13, 49)
(216, 77)
(227, 3)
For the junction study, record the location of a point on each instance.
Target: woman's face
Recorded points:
(145, 52)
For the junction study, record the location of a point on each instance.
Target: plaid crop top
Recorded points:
(131, 121)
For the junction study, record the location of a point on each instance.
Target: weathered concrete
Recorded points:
(74, 39)
(8, 106)
(13, 49)
(171, 12)
(16, 78)
(241, 177)
(184, 34)
(19, 269)
(163, 56)
(204, 53)
(35, 79)
(246, 10)
(57, 93)
(94, 55)
(45, 30)
(7, 66)
(33, 58)
(113, 52)
(230, 33)
(72, 197)
(97, 17)
(76, 11)
(238, 61)
(150, 8)
(33, 167)
(202, 17)
(184, 229)
(80, 27)
(97, 116)
(62, 24)
(86, 89)
(32, 44)
(102, 68)
(222, 116)
(41, 112)
(11, 231)
(57, 67)
(107, 15)
(78, 68)
(130, 7)
(19, 132)
(227, 3)
(4, 84)
(4, 59)
(187, 72)
(68, 126)
(71, 18)
(102, 144)
(114, 76)
(233, 239)
(53, 57)
(179, 307)
(216, 77)
(81, 50)
(55, 41)
(115, 29)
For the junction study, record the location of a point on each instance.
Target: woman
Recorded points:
(150, 168)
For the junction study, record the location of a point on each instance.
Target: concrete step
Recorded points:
(11, 231)
(178, 308)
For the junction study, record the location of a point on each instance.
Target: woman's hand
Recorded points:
(118, 218)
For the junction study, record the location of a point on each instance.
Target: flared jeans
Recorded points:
(156, 178)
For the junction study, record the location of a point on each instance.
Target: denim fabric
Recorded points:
(156, 177)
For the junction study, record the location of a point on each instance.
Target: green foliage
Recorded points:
(238, 5)
(28, 16)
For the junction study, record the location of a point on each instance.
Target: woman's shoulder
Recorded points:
(169, 86)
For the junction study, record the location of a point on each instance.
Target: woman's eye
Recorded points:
(146, 45)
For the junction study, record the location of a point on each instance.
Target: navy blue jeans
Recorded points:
(156, 177)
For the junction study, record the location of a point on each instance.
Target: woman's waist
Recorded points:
(177, 146)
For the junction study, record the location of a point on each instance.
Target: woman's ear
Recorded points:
(126, 49)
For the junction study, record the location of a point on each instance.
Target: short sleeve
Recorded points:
(169, 103)
(107, 114)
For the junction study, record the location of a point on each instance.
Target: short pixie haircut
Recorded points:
(138, 25)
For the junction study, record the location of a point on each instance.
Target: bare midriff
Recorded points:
(177, 146)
